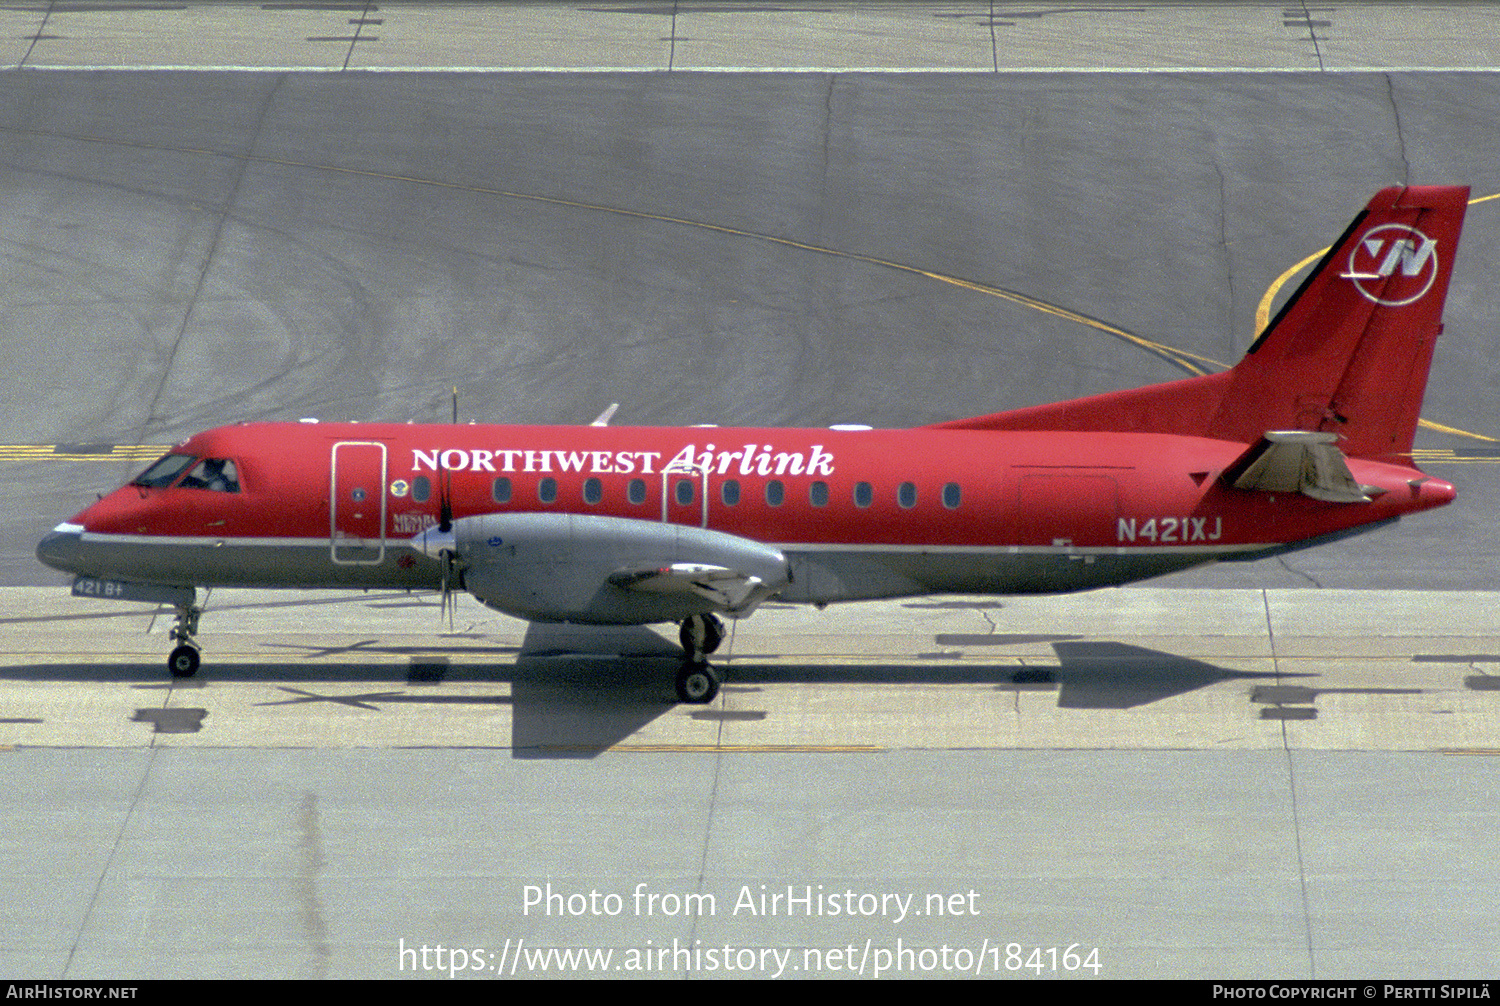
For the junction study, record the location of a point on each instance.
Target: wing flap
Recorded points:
(734, 592)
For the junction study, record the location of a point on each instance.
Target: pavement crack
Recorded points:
(1291, 777)
(85, 922)
(672, 40)
(708, 824)
(1297, 572)
(1312, 33)
(241, 163)
(41, 32)
(994, 41)
(827, 131)
(1390, 90)
(1224, 240)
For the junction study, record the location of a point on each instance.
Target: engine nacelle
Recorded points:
(554, 567)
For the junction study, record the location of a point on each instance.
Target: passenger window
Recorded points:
(817, 494)
(636, 491)
(546, 490)
(593, 491)
(501, 489)
(683, 492)
(775, 492)
(729, 492)
(421, 489)
(952, 496)
(864, 494)
(164, 472)
(214, 474)
(907, 495)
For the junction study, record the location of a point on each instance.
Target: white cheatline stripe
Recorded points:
(791, 547)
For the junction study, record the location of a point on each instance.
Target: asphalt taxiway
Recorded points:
(1270, 778)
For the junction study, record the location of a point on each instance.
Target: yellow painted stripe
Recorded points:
(50, 452)
(724, 748)
(1429, 424)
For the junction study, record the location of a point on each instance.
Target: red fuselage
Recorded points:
(858, 513)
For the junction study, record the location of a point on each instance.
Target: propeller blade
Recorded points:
(448, 602)
(445, 502)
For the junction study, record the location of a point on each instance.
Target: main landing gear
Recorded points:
(183, 661)
(697, 682)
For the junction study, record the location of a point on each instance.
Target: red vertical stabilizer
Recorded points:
(1348, 354)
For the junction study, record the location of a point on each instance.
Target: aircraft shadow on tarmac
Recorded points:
(1089, 675)
(577, 691)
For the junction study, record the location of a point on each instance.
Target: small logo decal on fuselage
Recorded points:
(412, 523)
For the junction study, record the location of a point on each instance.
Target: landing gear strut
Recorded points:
(697, 682)
(183, 661)
(701, 635)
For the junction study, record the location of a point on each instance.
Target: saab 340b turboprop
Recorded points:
(1306, 440)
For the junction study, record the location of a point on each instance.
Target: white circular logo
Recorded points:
(1393, 264)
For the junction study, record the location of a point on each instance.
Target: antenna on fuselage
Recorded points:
(455, 405)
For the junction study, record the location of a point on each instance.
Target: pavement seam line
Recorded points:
(114, 849)
(1291, 778)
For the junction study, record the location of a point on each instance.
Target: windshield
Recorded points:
(218, 474)
(164, 472)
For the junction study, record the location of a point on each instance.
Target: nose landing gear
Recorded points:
(697, 682)
(183, 661)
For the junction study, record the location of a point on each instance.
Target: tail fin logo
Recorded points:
(1393, 264)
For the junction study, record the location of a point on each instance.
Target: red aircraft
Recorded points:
(1306, 440)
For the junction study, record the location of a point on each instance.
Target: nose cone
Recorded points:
(62, 548)
(433, 542)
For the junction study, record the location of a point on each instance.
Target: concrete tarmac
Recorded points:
(1273, 778)
(1165, 782)
(963, 36)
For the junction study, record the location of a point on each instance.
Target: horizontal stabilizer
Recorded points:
(1297, 461)
(733, 592)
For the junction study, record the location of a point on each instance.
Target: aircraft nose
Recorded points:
(62, 548)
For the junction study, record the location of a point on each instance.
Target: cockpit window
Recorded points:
(164, 472)
(217, 474)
